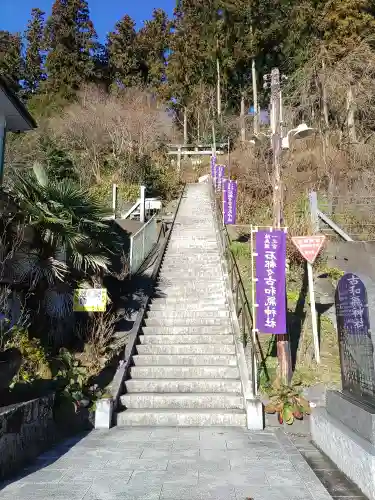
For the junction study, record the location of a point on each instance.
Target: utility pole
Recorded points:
(283, 345)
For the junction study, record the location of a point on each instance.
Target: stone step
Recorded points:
(202, 275)
(189, 293)
(183, 286)
(219, 372)
(171, 349)
(180, 314)
(160, 338)
(188, 302)
(187, 330)
(190, 268)
(185, 360)
(204, 254)
(183, 386)
(183, 400)
(181, 321)
(187, 306)
(186, 418)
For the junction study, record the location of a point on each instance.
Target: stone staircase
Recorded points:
(186, 370)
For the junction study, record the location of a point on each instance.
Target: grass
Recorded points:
(307, 372)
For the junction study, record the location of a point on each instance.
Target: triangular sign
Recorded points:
(309, 246)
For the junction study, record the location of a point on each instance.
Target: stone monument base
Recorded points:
(345, 432)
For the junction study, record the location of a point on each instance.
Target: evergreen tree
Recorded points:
(343, 24)
(71, 41)
(11, 63)
(34, 73)
(153, 42)
(124, 56)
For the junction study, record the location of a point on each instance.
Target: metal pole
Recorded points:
(283, 345)
(314, 320)
(2, 147)
(114, 198)
(142, 206)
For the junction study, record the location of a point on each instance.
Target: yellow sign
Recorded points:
(90, 300)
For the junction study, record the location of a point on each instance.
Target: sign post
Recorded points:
(309, 247)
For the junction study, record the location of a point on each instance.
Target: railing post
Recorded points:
(142, 207)
(131, 255)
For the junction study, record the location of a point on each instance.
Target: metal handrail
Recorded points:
(133, 237)
(243, 308)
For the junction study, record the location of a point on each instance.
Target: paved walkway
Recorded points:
(170, 463)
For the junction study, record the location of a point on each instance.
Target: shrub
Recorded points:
(34, 358)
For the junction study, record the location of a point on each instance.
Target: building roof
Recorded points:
(17, 118)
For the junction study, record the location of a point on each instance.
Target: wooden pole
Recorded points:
(283, 345)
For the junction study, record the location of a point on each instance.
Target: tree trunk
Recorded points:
(185, 127)
(218, 88)
(351, 116)
(324, 96)
(242, 119)
(255, 97)
(198, 126)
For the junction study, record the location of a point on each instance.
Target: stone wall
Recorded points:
(26, 430)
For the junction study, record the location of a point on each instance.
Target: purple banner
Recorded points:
(270, 261)
(213, 167)
(230, 201)
(219, 177)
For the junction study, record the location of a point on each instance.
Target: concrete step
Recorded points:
(183, 400)
(211, 290)
(217, 372)
(189, 302)
(183, 418)
(171, 349)
(160, 338)
(188, 294)
(187, 330)
(180, 314)
(175, 275)
(181, 321)
(190, 269)
(187, 306)
(184, 360)
(182, 280)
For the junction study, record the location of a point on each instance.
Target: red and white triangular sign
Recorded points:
(309, 246)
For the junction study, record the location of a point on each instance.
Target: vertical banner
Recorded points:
(213, 168)
(230, 201)
(219, 177)
(270, 263)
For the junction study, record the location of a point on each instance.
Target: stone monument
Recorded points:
(345, 429)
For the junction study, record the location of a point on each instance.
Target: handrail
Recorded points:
(242, 306)
(116, 386)
(133, 238)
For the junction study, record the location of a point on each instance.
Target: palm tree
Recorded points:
(69, 241)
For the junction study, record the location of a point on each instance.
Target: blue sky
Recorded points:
(14, 14)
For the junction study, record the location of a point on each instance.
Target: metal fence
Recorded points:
(141, 244)
(354, 214)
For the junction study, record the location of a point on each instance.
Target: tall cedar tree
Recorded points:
(71, 40)
(34, 73)
(11, 62)
(188, 64)
(153, 41)
(124, 58)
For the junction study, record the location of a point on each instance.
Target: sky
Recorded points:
(14, 14)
